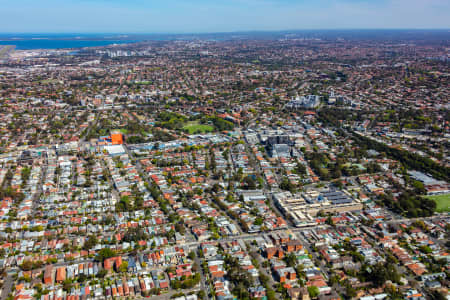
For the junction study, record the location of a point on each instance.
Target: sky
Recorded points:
(200, 16)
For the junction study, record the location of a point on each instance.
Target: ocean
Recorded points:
(56, 41)
(59, 44)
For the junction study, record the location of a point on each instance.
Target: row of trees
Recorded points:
(409, 204)
(410, 160)
(240, 278)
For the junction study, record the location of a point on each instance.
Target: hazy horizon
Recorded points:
(298, 30)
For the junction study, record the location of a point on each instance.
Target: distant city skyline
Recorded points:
(201, 16)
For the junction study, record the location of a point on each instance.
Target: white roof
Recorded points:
(115, 149)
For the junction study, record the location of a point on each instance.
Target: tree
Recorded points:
(82, 278)
(263, 279)
(105, 253)
(330, 221)
(300, 169)
(271, 294)
(380, 273)
(90, 242)
(249, 183)
(216, 188)
(409, 204)
(425, 249)
(419, 187)
(201, 294)
(27, 265)
(437, 295)
(102, 273)
(313, 291)
(258, 221)
(350, 291)
(135, 235)
(124, 204)
(291, 259)
(334, 279)
(123, 267)
(67, 285)
(179, 227)
(408, 159)
(287, 185)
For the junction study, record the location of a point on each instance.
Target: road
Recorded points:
(400, 269)
(203, 285)
(94, 124)
(266, 189)
(402, 220)
(7, 286)
(8, 283)
(37, 195)
(265, 271)
(249, 236)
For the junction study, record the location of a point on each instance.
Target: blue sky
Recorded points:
(185, 16)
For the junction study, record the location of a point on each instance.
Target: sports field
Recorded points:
(198, 128)
(442, 202)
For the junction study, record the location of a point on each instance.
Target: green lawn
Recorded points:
(47, 81)
(122, 130)
(442, 202)
(197, 128)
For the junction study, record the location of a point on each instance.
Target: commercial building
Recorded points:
(310, 101)
(301, 208)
